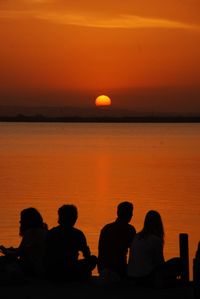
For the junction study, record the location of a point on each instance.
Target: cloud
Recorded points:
(92, 21)
(123, 21)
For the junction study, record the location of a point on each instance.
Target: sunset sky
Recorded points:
(144, 54)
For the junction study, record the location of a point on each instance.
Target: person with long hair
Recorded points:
(28, 258)
(146, 263)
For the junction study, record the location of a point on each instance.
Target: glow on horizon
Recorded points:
(91, 21)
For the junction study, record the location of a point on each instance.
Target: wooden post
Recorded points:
(184, 255)
(196, 273)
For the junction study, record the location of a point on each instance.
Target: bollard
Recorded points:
(196, 273)
(184, 255)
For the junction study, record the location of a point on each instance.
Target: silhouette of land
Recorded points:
(102, 119)
(93, 114)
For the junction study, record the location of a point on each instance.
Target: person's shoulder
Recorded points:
(34, 231)
(40, 231)
(54, 230)
(131, 228)
(155, 239)
(78, 232)
(136, 237)
(107, 226)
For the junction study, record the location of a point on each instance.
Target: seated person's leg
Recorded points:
(84, 267)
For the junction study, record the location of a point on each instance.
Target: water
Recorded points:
(95, 166)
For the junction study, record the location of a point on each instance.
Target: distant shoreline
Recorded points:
(126, 119)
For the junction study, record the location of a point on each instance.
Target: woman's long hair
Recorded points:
(30, 218)
(152, 226)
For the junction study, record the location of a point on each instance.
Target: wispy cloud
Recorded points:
(92, 21)
(123, 21)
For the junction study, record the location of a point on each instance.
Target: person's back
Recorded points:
(64, 243)
(146, 254)
(114, 241)
(146, 261)
(28, 258)
(32, 250)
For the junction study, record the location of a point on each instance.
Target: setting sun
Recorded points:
(103, 100)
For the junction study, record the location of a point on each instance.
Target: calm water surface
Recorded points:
(95, 166)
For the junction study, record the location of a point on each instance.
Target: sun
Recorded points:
(103, 100)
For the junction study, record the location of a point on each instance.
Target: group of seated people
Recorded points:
(122, 253)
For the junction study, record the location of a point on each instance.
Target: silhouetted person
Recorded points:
(146, 263)
(115, 240)
(64, 243)
(28, 258)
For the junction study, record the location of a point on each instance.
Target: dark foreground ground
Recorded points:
(91, 290)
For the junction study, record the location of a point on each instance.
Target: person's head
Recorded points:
(30, 218)
(67, 215)
(125, 211)
(153, 225)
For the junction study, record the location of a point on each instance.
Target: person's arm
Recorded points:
(12, 252)
(26, 243)
(101, 241)
(3, 249)
(84, 247)
(132, 235)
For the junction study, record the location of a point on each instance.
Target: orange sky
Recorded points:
(57, 51)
